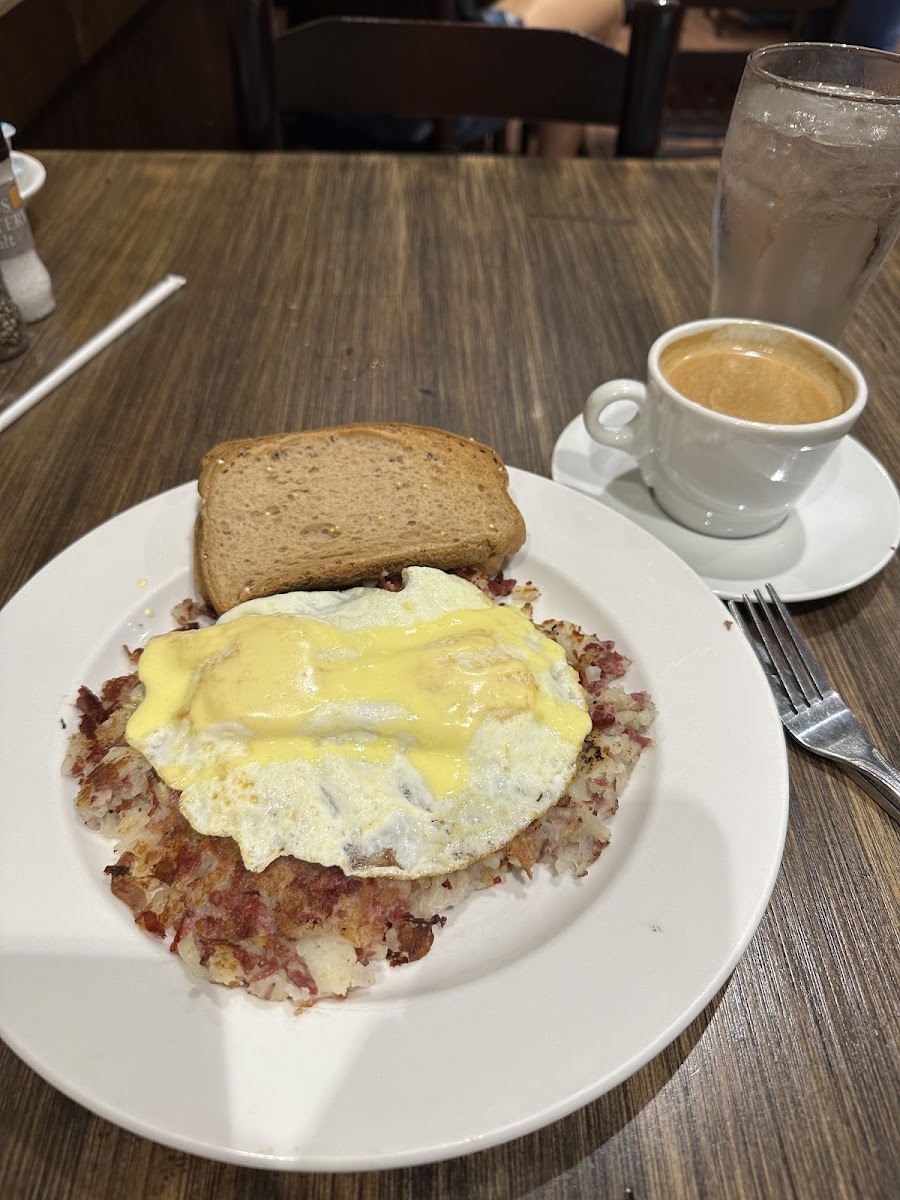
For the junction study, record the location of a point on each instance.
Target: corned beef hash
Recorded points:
(302, 789)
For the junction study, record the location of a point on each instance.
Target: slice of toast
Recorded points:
(328, 508)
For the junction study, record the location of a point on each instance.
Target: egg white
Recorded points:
(375, 818)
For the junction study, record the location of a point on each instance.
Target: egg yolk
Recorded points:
(293, 688)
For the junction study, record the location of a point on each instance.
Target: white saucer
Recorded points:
(30, 174)
(845, 531)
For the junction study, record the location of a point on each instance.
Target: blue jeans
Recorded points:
(874, 23)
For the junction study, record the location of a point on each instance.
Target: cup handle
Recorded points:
(630, 437)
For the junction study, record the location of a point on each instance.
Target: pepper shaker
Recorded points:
(13, 338)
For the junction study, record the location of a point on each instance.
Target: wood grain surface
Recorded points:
(487, 296)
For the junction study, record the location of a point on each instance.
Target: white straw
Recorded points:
(85, 353)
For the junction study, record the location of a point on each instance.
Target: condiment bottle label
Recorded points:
(15, 232)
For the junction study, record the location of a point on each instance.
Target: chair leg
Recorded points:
(654, 38)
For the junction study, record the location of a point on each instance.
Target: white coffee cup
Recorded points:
(716, 473)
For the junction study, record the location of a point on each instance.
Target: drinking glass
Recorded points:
(808, 198)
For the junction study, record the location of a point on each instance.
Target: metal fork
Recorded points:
(813, 713)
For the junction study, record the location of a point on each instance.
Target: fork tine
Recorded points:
(788, 655)
(816, 674)
(745, 630)
(761, 651)
(780, 665)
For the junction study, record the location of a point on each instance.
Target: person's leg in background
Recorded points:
(599, 19)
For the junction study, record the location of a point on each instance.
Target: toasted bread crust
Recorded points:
(328, 508)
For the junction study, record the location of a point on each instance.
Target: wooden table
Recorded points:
(487, 296)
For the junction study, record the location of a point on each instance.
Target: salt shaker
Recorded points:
(24, 276)
(13, 338)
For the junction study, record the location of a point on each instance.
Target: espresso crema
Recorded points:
(775, 379)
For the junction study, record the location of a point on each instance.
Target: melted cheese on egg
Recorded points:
(398, 733)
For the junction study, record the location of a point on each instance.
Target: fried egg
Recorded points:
(400, 734)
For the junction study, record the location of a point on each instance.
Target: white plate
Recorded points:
(30, 174)
(845, 531)
(535, 998)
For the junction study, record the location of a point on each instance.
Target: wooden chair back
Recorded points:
(446, 69)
